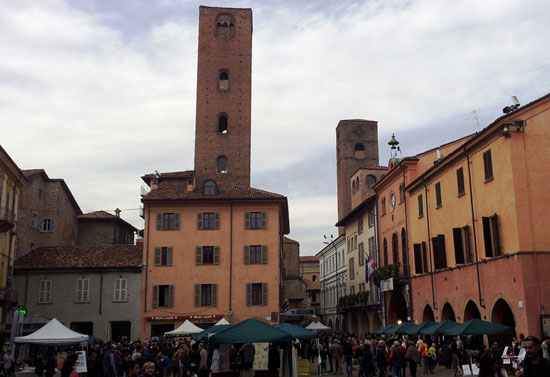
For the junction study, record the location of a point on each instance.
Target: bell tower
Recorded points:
(222, 129)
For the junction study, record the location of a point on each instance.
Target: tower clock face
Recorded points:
(392, 198)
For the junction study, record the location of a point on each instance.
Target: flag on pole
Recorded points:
(370, 266)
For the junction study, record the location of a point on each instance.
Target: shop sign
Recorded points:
(386, 285)
(194, 318)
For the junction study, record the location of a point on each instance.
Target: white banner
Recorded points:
(386, 285)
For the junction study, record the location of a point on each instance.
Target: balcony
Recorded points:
(356, 301)
(396, 271)
(7, 219)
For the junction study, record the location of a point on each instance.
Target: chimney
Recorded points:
(117, 212)
(191, 183)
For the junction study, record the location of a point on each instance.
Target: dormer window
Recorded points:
(210, 188)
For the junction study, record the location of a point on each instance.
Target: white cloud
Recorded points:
(102, 96)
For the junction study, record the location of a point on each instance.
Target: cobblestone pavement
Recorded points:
(440, 371)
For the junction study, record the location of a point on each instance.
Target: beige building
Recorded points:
(12, 181)
(294, 287)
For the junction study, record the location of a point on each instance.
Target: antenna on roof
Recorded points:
(473, 115)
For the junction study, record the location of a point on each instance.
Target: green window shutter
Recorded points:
(216, 221)
(199, 221)
(264, 254)
(247, 220)
(176, 220)
(248, 294)
(214, 294)
(170, 256)
(198, 255)
(159, 221)
(263, 221)
(264, 294)
(157, 256)
(171, 296)
(197, 295)
(216, 255)
(155, 296)
(247, 255)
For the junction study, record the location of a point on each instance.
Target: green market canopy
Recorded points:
(250, 331)
(415, 329)
(437, 328)
(297, 332)
(403, 328)
(203, 336)
(476, 327)
(388, 329)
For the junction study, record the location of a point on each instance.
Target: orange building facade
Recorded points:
(479, 245)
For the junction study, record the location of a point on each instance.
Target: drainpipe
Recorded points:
(147, 260)
(230, 256)
(481, 301)
(381, 295)
(429, 242)
(100, 292)
(410, 308)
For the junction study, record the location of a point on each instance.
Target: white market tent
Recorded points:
(317, 326)
(221, 322)
(187, 328)
(53, 332)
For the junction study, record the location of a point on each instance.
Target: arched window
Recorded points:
(223, 79)
(222, 124)
(210, 188)
(370, 180)
(357, 183)
(221, 164)
(359, 151)
(353, 187)
(225, 26)
(385, 252)
(394, 248)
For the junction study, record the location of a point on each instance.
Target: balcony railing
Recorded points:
(352, 301)
(7, 219)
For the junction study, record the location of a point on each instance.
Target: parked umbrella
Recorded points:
(438, 328)
(388, 329)
(476, 327)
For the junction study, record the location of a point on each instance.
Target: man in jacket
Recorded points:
(535, 364)
(337, 353)
(396, 359)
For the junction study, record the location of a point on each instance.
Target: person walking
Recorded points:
(109, 366)
(413, 357)
(396, 359)
(367, 367)
(432, 358)
(535, 364)
(348, 356)
(8, 360)
(337, 353)
(424, 355)
(486, 363)
(382, 358)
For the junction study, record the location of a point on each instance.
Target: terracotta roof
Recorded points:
(104, 215)
(30, 172)
(289, 240)
(81, 257)
(312, 285)
(309, 258)
(173, 186)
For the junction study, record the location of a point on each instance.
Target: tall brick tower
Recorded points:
(356, 147)
(222, 131)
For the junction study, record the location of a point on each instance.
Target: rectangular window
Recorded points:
(361, 254)
(255, 254)
(461, 238)
(46, 225)
(121, 289)
(438, 201)
(418, 267)
(168, 221)
(83, 290)
(420, 206)
(206, 295)
(383, 206)
(256, 294)
(45, 292)
(401, 193)
(351, 269)
(372, 247)
(207, 255)
(164, 256)
(35, 221)
(163, 296)
(352, 289)
(370, 218)
(491, 236)
(488, 165)
(440, 256)
(460, 181)
(255, 220)
(208, 221)
(360, 224)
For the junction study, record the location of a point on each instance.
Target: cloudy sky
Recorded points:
(102, 92)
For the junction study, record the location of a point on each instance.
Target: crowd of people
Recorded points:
(336, 354)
